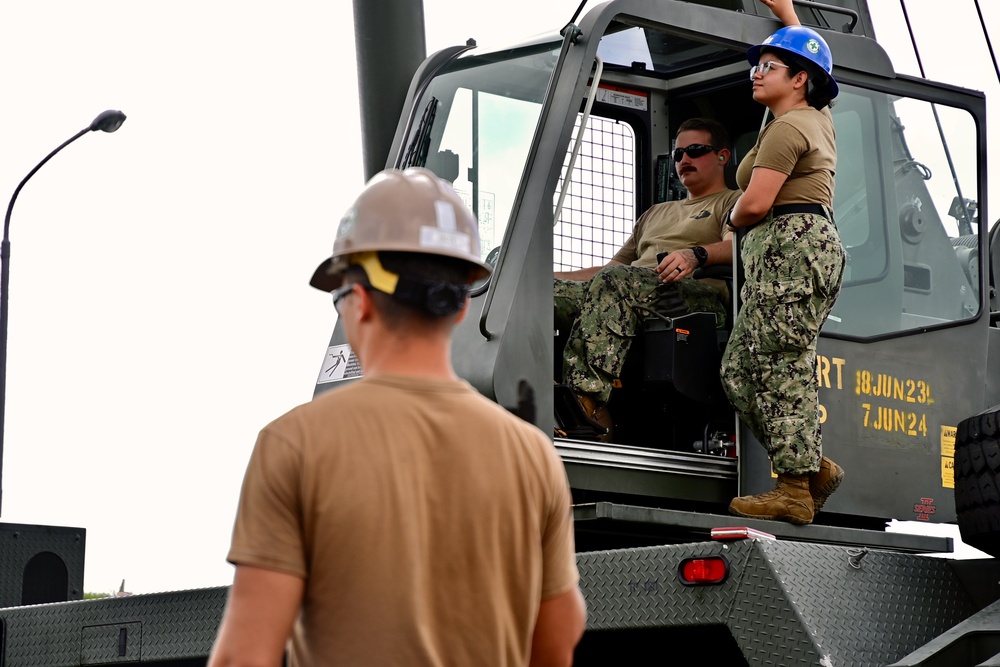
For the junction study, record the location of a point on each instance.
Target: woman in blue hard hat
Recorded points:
(794, 263)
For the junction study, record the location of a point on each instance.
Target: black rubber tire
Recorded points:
(977, 480)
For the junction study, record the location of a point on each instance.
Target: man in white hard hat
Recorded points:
(403, 519)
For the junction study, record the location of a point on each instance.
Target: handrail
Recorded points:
(570, 35)
(848, 27)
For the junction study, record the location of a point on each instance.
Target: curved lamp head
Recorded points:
(108, 121)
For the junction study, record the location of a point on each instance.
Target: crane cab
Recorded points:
(560, 143)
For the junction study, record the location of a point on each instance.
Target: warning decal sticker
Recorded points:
(339, 364)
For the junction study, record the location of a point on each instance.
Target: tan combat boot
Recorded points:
(824, 482)
(790, 501)
(598, 414)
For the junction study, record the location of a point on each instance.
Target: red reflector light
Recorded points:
(705, 570)
(740, 533)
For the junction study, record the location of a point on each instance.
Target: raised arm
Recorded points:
(784, 10)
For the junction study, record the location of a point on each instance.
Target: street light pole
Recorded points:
(107, 121)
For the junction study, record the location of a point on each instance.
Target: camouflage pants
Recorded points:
(794, 265)
(602, 319)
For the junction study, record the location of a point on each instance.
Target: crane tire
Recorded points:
(977, 480)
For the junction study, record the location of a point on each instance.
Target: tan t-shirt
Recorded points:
(427, 522)
(676, 225)
(802, 144)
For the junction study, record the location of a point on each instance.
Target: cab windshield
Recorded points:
(474, 123)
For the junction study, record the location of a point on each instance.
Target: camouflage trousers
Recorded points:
(794, 265)
(603, 314)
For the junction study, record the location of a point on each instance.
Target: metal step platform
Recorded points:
(647, 472)
(666, 526)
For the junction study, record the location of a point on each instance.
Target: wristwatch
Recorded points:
(700, 254)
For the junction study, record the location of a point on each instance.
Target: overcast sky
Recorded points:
(159, 308)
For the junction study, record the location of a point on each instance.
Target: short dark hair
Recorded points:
(818, 86)
(438, 268)
(720, 137)
(419, 266)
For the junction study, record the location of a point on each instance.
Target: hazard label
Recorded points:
(339, 364)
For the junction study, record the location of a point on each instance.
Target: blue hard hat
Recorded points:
(800, 41)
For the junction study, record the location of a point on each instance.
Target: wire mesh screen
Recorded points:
(599, 210)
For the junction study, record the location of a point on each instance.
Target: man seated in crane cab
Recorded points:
(597, 305)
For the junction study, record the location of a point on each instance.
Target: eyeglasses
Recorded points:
(693, 151)
(765, 67)
(340, 293)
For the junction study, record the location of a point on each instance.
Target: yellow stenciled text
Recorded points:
(894, 420)
(830, 372)
(884, 385)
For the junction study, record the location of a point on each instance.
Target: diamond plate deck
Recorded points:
(139, 628)
(784, 603)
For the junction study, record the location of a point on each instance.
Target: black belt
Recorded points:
(788, 209)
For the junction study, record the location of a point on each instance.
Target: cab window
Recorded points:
(905, 205)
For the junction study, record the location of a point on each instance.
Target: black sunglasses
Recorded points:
(694, 150)
(339, 293)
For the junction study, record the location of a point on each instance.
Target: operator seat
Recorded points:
(686, 352)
